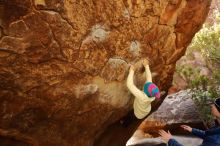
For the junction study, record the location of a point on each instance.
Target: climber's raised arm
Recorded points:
(131, 86)
(145, 63)
(150, 89)
(143, 99)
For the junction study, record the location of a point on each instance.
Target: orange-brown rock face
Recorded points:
(63, 64)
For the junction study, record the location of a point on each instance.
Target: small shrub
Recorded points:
(204, 88)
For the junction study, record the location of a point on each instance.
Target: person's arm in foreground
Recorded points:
(194, 131)
(167, 137)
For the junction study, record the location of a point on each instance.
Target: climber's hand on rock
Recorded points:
(145, 62)
(131, 67)
(187, 128)
(165, 136)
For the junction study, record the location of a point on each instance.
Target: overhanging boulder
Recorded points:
(63, 64)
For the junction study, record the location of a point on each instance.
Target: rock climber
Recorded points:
(143, 99)
(211, 137)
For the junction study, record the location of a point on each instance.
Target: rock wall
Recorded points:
(177, 109)
(63, 64)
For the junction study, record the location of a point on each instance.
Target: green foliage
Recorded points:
(188, 73)
(202, 99)
(216, 75)
(199, 81)
(207, 41)
(204, 88)
(204, 91)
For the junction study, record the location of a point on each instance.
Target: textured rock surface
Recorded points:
(175, 110)
(63, 64)
(184, 140)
